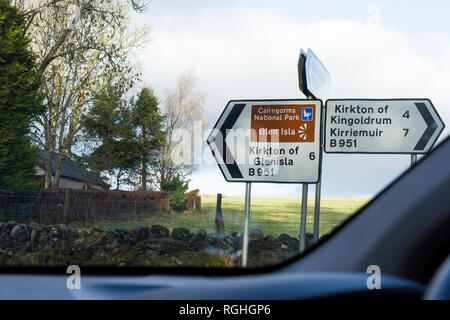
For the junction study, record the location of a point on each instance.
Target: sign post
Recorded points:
(273, 141)
(413, 159)
(304, 209)
(397, 126)
(316, 228)
(314, 81)
(248, 190)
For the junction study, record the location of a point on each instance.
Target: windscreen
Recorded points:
(176, 133)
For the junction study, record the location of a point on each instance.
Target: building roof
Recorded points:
(70, 169)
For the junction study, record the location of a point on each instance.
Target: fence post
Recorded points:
(88, 209)
(220, 227)
(93, 211)
(66, 206)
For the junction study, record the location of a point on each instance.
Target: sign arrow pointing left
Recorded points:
(221, 144)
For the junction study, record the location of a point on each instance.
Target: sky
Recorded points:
(249, 50)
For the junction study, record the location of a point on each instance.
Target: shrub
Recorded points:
(176, 190)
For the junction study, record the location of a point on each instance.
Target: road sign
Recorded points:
(314, 81)
(314, 78)
(381, 126)
(268, 141)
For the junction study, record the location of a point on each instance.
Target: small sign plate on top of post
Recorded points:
(313, 78)
(409, 126)
(302, 73)
(268, 141)
(317, 77)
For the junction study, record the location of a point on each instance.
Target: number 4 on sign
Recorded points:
(406, 114)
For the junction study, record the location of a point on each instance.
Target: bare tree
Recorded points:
(81, 46)
(183, 107)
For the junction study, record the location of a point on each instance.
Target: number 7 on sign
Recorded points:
(406, 132)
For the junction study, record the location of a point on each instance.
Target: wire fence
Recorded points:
(275, 216)
(270, 215)
(73, 211)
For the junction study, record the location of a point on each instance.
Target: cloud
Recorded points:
(252, 53)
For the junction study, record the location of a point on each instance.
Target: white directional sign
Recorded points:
(268, 141)
(381, 126)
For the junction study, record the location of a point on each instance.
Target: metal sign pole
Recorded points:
(314, 81)
(317, 211)
(413, 159)
(318, 189)
(302, 240)
(248, 190)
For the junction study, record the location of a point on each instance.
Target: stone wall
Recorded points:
(60, 245)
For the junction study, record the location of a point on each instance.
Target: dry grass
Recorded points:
(272, 215)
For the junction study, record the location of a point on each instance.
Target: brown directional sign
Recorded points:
(283, 123)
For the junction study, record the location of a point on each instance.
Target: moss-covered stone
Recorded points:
(158, 231)
(129, 258)
(181, 234)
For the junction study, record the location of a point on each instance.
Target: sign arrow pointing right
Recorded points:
(431, 126)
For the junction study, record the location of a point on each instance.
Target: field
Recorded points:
(272, 215)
